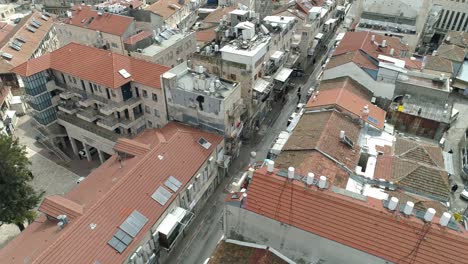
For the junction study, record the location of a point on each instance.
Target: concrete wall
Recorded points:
(155, 20)
(394, 8)
(294, 243)
(154, 111)
(436, 95)
(380, 89)
(69, 33)
(183, 49)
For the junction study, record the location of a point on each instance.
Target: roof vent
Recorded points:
(366, 110)
(124, 73)
(429, 214)
(291, 173)
(322, 182)
(445, 219)
(310, 178)
(392, 204)
(270, 165)
(408, 210)
(384, 43)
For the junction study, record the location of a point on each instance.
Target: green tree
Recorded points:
(17, 196)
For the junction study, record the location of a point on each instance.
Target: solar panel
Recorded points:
(17, 43)
(175, 181)
(36, 22)
(21, 39)
(7, 55)
(373, 120)
(13, 46)
(171, 186)
(161, 195)
(117, 244)
(133, 224)
(123, 237)
(34, 25)
(31, 29)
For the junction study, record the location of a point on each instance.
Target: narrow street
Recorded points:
(201, 238)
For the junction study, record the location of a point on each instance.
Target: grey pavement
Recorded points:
(453, 137)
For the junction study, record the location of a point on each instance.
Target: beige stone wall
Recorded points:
(154, 110)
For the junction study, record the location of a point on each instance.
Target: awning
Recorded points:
(283, 74)
(319, 36)
(448, 162)
(261, 85)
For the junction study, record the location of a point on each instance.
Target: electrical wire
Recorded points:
(414, 252)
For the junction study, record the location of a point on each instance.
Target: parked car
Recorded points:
(91, 152)
(464, 193)
(310, 92)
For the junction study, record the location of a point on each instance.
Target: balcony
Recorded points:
(238, 108)
(67, 95)
(91, 127)
(68, 107)
(112, 122)
(51, 86)
(88, 114)
(113, 107)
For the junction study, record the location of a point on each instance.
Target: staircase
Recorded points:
(44, 137)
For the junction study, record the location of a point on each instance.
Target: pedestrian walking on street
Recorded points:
(299, 96)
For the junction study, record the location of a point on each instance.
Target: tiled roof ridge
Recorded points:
(423, 147)
(94, 207)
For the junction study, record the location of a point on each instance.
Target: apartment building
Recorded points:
(203, 100)
(96, 28)
(133, 209)
(166, 47)
(94, 100)
(176, 14)
(254, 58)
(34, 36)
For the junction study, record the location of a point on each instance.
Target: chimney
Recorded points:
(270, 166)
(372, 38)
(342, 134)
(445, 219)
(408, 210)
(392, 51)
(310, 178)
(322, 182)
(429, 214)
(291, 173)
(384, 43)
(392, 204)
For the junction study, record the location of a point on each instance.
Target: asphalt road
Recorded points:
(206, 230)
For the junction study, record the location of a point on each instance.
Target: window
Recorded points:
(147, 109)
(156, 112)
(145, 93)
(233, 76)
(113, 93)
(74, 80)
(155, 97)
(114, 45)
(150, 124)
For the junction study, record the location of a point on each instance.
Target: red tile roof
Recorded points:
(33, 41)
(348, 100)
(215, 16)
(56, 205)
(5, 29)
(412, 64)
(96, 65)
(438, 63)
(315, 146)
(86, 17)
(131, 147)
(369, 227)
(138, 37)
(109, 195)
(204, 36)
(358, 48)
(166, 8)
(226, 252)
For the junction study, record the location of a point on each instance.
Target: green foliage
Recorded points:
(17, 196)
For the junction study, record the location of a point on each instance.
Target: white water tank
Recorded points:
(322, 182)
(198, 49)
(445, 219)
(392, 204)
(270, 165)
(408, 210)
(310, 178)
(429, 214)
(342, 134)
(384, 43)
(216, 48)
(251, 172)
(392, 51)
(372, 38)
(291, 173)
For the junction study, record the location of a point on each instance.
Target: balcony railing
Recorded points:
(91, 127)
(88, 114)
(112, 122)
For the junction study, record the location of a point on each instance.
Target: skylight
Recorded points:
(7, 55)
(124, 73)
(204, 143)
(31, 29)
(127, 231)
(173, 184)
(19, 38)
(161, 195)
